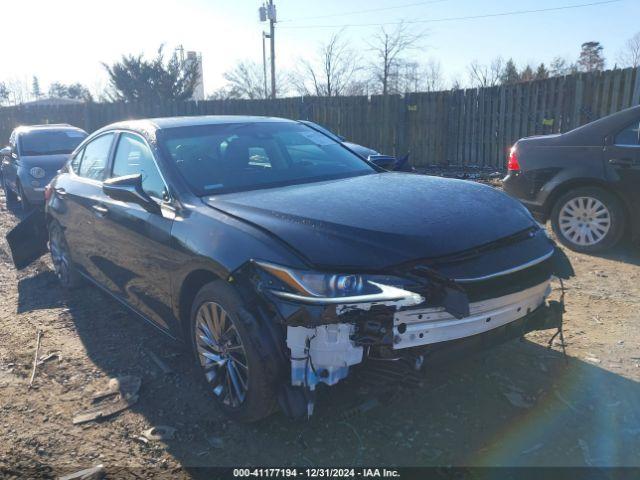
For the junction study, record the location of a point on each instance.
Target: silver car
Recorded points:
(33, 157)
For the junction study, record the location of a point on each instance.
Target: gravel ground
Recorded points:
(519, 404)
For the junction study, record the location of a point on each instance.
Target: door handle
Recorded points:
(100, 210)
(60, 191)
(621, 162)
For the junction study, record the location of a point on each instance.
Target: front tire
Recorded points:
(8, 193)
(232, 355)
(588, 219)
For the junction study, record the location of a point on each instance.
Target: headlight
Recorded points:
(318, 287)
(37, 172)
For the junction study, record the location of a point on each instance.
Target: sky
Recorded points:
(67, 40)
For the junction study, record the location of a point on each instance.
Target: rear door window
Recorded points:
(630, 136)
(95, 158)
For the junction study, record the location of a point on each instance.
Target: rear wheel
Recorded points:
(230, 354)
(61, 257)
(588, 219)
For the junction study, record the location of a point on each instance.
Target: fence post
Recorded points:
(635, 99)
(577, 102)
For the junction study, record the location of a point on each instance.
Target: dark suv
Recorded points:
(586, 181)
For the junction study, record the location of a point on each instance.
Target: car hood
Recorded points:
(379, 220)
(48, 162)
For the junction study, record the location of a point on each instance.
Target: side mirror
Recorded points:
(383, 161)
(129, 189)
(6, 152)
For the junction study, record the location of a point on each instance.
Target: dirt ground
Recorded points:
(520, 404)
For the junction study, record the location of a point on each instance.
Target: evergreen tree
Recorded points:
(526, 75)
(510, 73)
(134, 79)
(35, 88)
(542, 72)
(591, 58)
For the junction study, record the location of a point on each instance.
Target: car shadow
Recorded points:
(519, 404)
(624, 252)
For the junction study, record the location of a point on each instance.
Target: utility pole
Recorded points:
(264, 64)
(268, 12)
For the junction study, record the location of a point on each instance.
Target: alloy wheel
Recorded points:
(222, 354)
(584, 221)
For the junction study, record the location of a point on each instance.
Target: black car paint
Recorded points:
(586, 156)
(151, 262)
(411, 217)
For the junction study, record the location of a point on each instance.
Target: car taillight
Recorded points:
(512, 164)
(48, 192)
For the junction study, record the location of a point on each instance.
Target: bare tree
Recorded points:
(558, 67)
(433, 79)
(409, 78)
(629, 56)
(482, 75)
(246, 80)
(18, 91)
(331, 73)
(389, 50)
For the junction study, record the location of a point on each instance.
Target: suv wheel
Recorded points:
(61, 257)
(231, 354)
(588, 219)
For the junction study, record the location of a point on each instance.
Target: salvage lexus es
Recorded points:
(282, 258)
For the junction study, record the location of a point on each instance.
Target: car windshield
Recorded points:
(322, 129)
(246, 156)
(51, 142)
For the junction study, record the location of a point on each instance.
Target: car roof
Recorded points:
(47, 127)
(174, 122)
(592, 133)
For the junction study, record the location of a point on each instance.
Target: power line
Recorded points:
(450, 19)
(357, 12)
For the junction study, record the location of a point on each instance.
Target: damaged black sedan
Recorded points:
(282, 258)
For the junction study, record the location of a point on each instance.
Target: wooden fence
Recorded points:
(472, 127)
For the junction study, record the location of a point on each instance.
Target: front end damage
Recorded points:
(325, 337)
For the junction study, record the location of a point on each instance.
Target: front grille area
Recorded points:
(502, 285)
(508, 284)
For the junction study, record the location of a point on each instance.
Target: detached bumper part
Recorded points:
(414, 328)
(322, 354)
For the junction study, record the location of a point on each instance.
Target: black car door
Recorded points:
(75, 204)
(622, 163)
(140, 257)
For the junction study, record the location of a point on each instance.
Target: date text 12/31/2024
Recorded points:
(316, 473)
